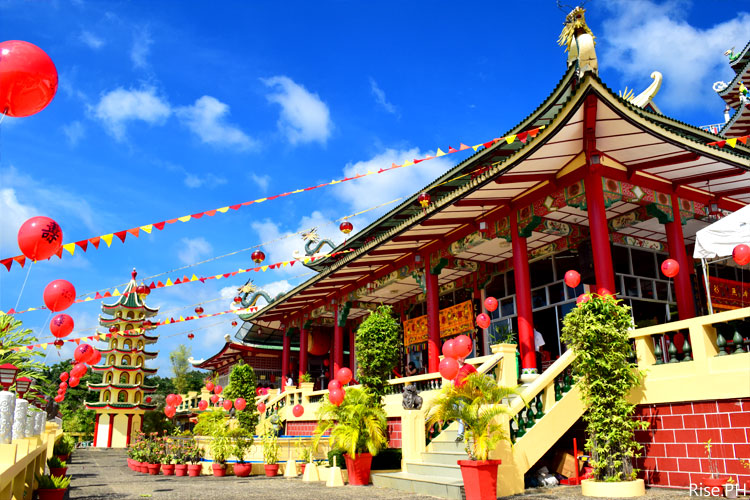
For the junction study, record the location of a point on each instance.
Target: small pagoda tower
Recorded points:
(736, 95)
(121, 403)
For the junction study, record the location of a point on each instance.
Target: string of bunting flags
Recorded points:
(730, 142)
(86, 244)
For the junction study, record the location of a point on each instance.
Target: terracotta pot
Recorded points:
(480, 478)
(220, 470)
(130, 463)
(57, 471)
(194, 470)
(243, 470)
(52, 494)
(302, 467)
(271, 470)
(142, 467)
(359, 469)
(167, 469)
(181, 470)
(153, 469)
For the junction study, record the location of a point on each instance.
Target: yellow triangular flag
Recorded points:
(264, 268)
(408, 163)
(107, 239)
(307, 259)
(439, 153)
(283, 264)
(166, 321)
(181, 319)
(44, 346)
(218, 276)
(169, 282)
(732, 142)
(509, 139)
(116, 293)
(31, 309)
(87, 299)
(194, 278)
(222, 209)
(261, 200)
(241, 271)
(477, 146)
(297, 191)
(184, 218)
(103, 337)
(147, 228)
(71, 247)
(335, 182)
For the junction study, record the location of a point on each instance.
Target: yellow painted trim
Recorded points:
(621, 489)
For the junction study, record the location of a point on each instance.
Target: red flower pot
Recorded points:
(181, 470)
(243, 470)
(57, 471)
(64, 458)
(52, 494)
(715, 485)
(480, 478)
(271, 469)
(359, 468)
(194, 470)
(153, 469)
(141, 467)
(220, 470)
(130, 463)
(167, 469)
(302, 467)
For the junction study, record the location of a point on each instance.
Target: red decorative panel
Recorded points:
(394, 432)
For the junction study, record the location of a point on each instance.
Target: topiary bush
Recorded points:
(378, 347)
(242, 384)
(597, 330)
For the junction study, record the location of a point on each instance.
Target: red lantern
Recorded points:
(583, 298)
(261, 407)
(73, 382)
(202, 405)
(22, 385)
(462, 346)
(209, 386)
(237, 299)
(95, 358)
(448, 368)
(336, 396)
(59, 343)
(234, 323)
(346, 227)
(449, 349)
(227, 404)
(59, 398)
(258, 256)
(214, 399)
(61, 325)
(572, 278)
(298, 410)
(148, 399)
(114, 328)
(170, 411)
(78, 371)
(218, 389)
(28, 79)
(490, 303)
(199, 310)
(61, 391)
(177, 399)
(170, 400)
(670, 268)
(240, 404)
(344, 375)
(333, 385)
(63, 376)
(63, 386)
(39, 237)
(326, 362)
(83, 352)
(483, 320)
(59, 295)
(741, 254)
(424, 200)
(191, 336)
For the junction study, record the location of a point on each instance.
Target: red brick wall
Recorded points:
(307, 429)
(394, 432)
(674, 451)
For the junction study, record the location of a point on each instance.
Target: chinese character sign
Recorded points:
(454, 320)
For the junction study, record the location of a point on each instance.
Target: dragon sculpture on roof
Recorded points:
(579, 42)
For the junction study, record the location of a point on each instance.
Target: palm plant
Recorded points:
(47, 482)
(478, 402)
(242, 441)
(358, 425)
(270, 447)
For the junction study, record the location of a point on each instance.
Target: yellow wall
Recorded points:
(119, 435)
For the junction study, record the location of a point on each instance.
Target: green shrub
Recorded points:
(242, 384)
(378, 347)
(339, 454)
(55, 463)
(306, 377)
(47, 482)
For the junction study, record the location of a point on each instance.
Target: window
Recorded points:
(122, 397)
(644, 263)
(125, 360)
(140, 345)
(138, 379)
(541, 272)
(139, 361)
(106, 396)
(111, 359)
(124, 379)
(130, 315)
(137, 397)
(108, 379)
(126, 345)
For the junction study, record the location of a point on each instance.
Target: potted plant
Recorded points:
(241, 444)
(56, 466)
(63, 448)
(155, 455)
(270, 452)
(358, 426)
(304, 453)
(52, 487)
(180, 458)
(306, 383)
(194, 456)
(597, 331)
(715, 483)
(168, 458)
(477, 401)
(220, 449)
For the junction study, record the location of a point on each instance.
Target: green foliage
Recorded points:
(304, 451)
(55, 463)
(478, 402)
(306, 377)
(214, 423)
(339, 454)
(156, 422)
(377, 348)
(270, 446)
(242, 441)
(242, 384)
(191, 452)
(47, 482)
(63, 446)
(358, 425)
(180, 368)
(75, 416)
(28, 362)
(597, 330)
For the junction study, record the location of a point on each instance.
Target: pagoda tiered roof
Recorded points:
(145, 388)
(119, 406)
(739, 124)
(147, 355)
(125, 368)
(130, 300)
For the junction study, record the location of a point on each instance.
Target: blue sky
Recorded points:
(170, 108)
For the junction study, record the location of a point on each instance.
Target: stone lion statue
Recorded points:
(412, 400)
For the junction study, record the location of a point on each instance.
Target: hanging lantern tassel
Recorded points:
(424, 201)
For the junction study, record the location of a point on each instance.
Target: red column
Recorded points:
(433, 319)
(605, 274)
(111, 428)
(676, 241)
(130, 423)
(286, 352)
(523, 295)
(302, 352)
(352, 349)
(96, 427)
(338, 343)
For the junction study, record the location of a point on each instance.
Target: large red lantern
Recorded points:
(298, 410)
(333, 385)
(78, 371)
(170, 400)
(449, 349)
(170, 411)
(572, 278)
(670, 268)
(741, 254)
(95, 357)
(258, 256)
(462, 346)
(28, 79)
(39, 237)
(490, 303)
(483, 320)
(424, 200)
(59, 295)
(336, 396)
(318, 343)
(202, 405)
(64, 376)
(63, 386)
(215, 399)
(261, 407)
(218, 389)
(209, 386)
(59, 398)
(199, 310)
(61, 325)
(240, 404)
(346, 227)
(227, 404)
(448, 368)
(83, 353)
(74, 381)
(344, 375)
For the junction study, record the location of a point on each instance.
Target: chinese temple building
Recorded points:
(735, 94)
(121, 403)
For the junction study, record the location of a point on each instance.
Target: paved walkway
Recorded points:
(104, 474)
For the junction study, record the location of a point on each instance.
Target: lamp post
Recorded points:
(7, 402)
(22, 385)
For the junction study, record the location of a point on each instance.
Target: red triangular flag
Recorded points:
(171, 221)
(417, 161)
(488, 144)
(234, 273)
(271, 198)
(177, 281)
(11, 311)
(197, 216)
(210, 213)
(83, 244)
(160, 225)
(522, 137)
(135, 231)
(743, 140)
(121, 235)
(107, 294)
(95, 241)
(463, 146)
(226, 275)
(721, 143)
(21, 259)
(152, 285)
(98, 296)
(235, 207)
(160, 285)
(7, 263)
(58, 253)
(451, 149)
(533, 132)
(245, 203)
(291, 263)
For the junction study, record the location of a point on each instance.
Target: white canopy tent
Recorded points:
(719, 239)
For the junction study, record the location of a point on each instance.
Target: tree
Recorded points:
(377, 346)
(12, 334)
(181, 367)
(242, 384)
(76, 418)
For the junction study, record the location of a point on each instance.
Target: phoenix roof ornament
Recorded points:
(579, 42)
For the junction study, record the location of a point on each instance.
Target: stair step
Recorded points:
(444, 457)
(446, 471)
(422, 484)
(450, 446)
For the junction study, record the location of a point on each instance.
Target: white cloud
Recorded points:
(207, 119)
(304, 117)
(192, 249)
(74, 131)
(642, 36)
(14, 213)
(91, 40)
(118, 107)
(381, 99)
(208, 180)
(141, 47)
(261, 180)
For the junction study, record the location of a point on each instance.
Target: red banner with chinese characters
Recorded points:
(728, 294)
(454, 320)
